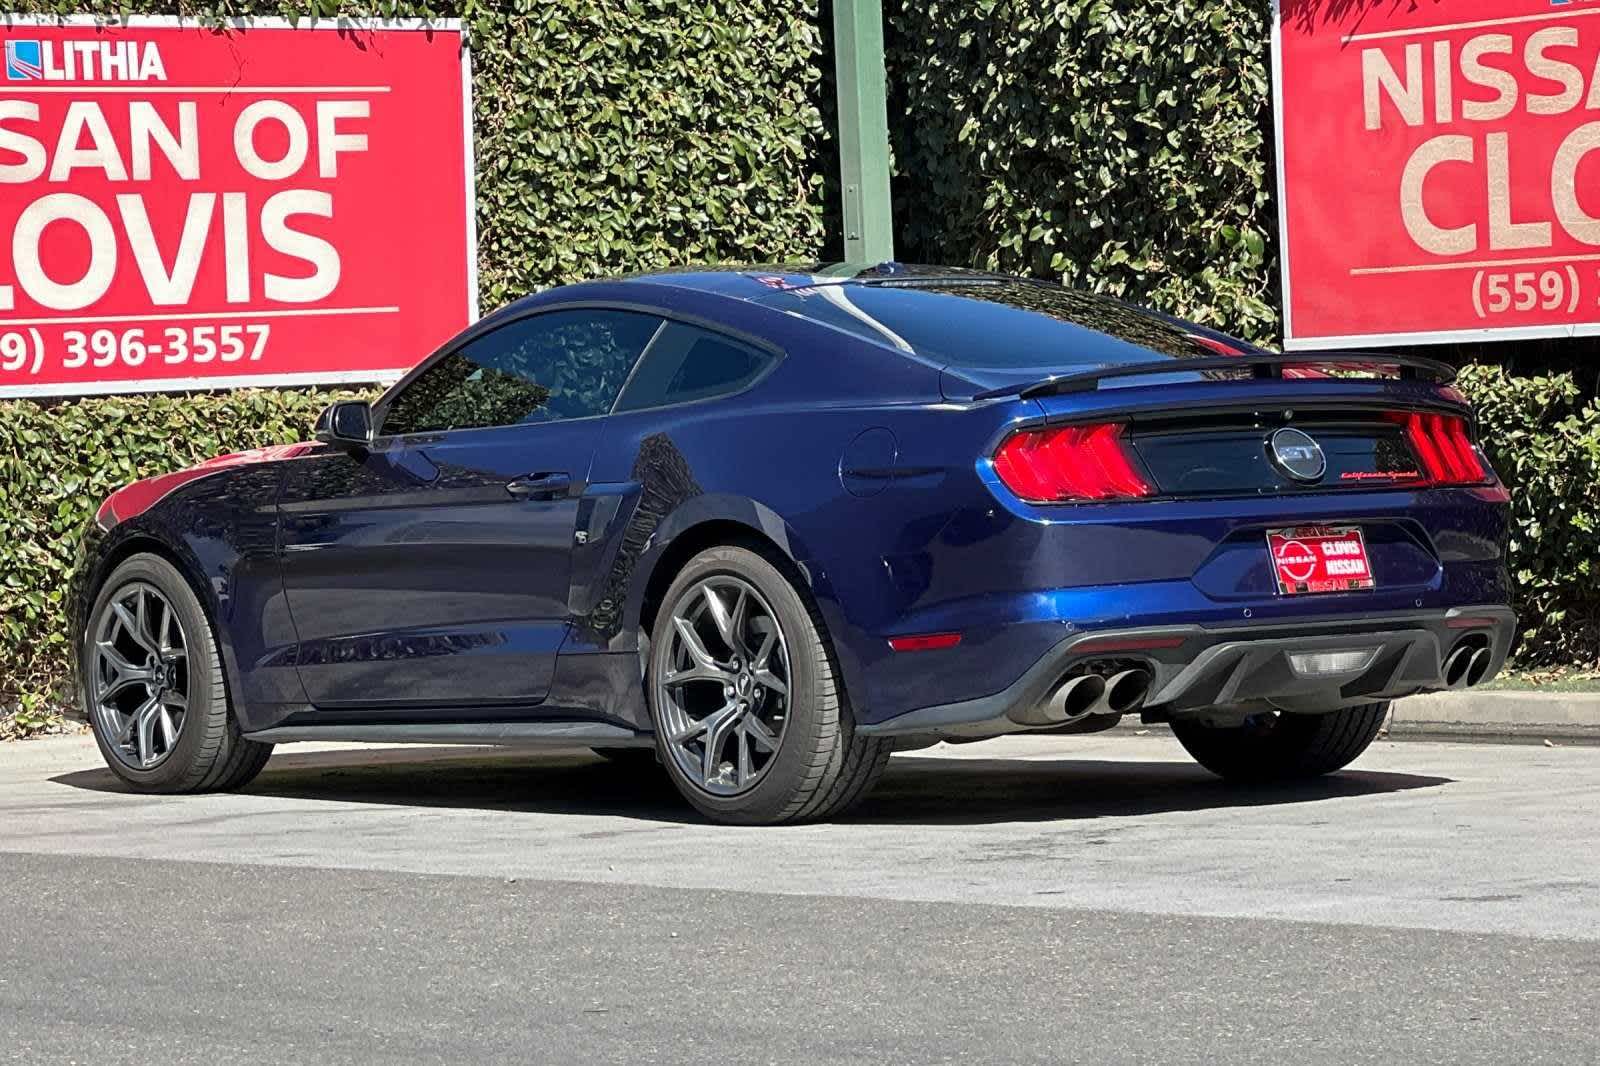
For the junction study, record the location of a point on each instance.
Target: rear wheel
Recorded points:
(1283, 747)
(752, 721)
(153, 686)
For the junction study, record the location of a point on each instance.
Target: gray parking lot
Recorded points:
(1066, 899)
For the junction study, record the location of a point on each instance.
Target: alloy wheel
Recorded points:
(139, 682)
(723, 698)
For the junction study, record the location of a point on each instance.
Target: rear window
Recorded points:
(996, 324)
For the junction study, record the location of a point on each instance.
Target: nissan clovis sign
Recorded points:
(187, 206)
(1439, 170)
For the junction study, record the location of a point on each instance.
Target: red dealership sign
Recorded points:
(190, 207)
(1439, 169)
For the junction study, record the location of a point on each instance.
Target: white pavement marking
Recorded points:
(1463, 837)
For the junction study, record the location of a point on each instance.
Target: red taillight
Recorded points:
(1443, 448)
(1071, 463)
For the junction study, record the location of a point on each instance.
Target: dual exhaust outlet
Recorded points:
(1087, 694)
(1466, 664)
(1091, 694)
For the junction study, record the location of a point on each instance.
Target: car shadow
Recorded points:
(936, 791)
(914, 791)
(546, 782)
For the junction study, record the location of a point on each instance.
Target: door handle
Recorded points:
(540, 486)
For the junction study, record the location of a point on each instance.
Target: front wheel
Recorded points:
(751, 717)
(153, 686)
(1283, 747)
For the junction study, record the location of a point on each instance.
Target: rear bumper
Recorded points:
(1194, 667)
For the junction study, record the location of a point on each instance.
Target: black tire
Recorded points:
(822, 766)
(209, 754)
(1283, 747)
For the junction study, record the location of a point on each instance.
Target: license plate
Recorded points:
(1319, 559)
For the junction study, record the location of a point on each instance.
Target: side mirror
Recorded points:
(346, 425)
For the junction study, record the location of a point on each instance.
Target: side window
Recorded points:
(688, 363)
(544, 368)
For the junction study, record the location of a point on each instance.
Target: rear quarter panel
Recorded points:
(848, 460)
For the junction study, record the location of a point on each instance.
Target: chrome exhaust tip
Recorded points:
(1478, 666)
(1071, 699)
(1455, 666)
(1078, 696)
(1124, 691)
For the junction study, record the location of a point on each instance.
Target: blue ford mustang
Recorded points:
(766, 525)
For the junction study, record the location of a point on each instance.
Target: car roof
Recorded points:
(1098, 328)
(950, 313)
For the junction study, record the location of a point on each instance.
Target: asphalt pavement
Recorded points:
(1072, 899)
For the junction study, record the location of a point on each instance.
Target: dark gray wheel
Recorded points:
(723, 698)
(153, 686)
(1283, 747)
(139, 684)
(751, 719)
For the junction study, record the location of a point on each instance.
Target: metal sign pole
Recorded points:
(863, 130)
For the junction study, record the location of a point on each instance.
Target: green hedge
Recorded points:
(1121, 147)
(630, 134)
(1545, 442)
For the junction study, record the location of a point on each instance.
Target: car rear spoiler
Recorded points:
(1265, 365)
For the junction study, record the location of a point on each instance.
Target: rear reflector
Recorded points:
(925, 642)
(1444, 449)
(1071, 463)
